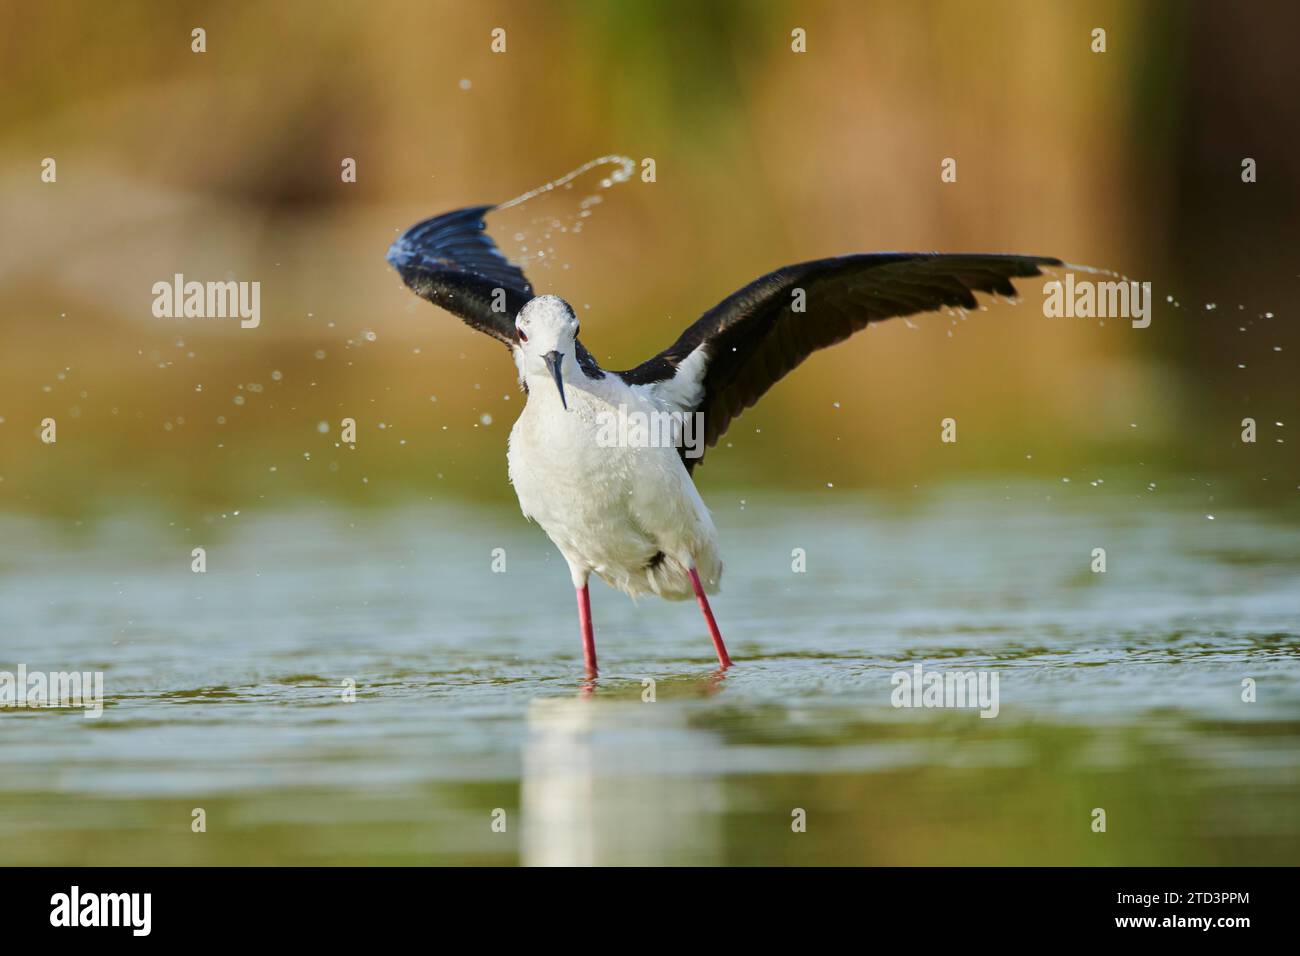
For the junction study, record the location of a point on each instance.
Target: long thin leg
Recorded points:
(588, 637)
(714, 633)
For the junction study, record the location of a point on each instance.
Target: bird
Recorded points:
(629, 511)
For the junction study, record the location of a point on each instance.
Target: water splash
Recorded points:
(624, 173)
(535, 238)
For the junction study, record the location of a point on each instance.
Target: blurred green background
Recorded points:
(227, 165)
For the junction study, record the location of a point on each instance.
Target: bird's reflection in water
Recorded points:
(619, 783)
(707, 686)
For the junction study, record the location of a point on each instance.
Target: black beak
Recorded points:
(553, 361)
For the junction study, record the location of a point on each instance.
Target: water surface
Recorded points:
(473, 738)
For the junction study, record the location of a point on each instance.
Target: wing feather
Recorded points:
(754, 337)
(453, 262)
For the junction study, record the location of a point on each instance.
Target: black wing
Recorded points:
(452, 261)
(751, 339)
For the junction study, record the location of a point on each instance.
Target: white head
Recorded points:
(547, 328)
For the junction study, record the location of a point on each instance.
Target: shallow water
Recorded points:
(225, 691)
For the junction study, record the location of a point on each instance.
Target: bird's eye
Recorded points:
(523, 336)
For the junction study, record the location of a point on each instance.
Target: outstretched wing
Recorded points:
(452, 261)
(743, 346)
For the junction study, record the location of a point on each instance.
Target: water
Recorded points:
(545, 216)
(473, 739)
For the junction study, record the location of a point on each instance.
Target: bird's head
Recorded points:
(547, 329)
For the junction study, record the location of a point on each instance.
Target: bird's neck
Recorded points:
(539, 379)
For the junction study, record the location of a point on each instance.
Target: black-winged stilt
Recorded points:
(628, 510)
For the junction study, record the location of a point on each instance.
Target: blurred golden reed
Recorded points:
(225, 165)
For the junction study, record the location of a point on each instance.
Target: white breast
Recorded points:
(631, 515)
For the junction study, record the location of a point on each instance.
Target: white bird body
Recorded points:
(627, 512)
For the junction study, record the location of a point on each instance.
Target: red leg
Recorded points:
(588, 638)
(718, 646)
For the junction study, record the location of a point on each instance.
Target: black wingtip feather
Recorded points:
(452, 261)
